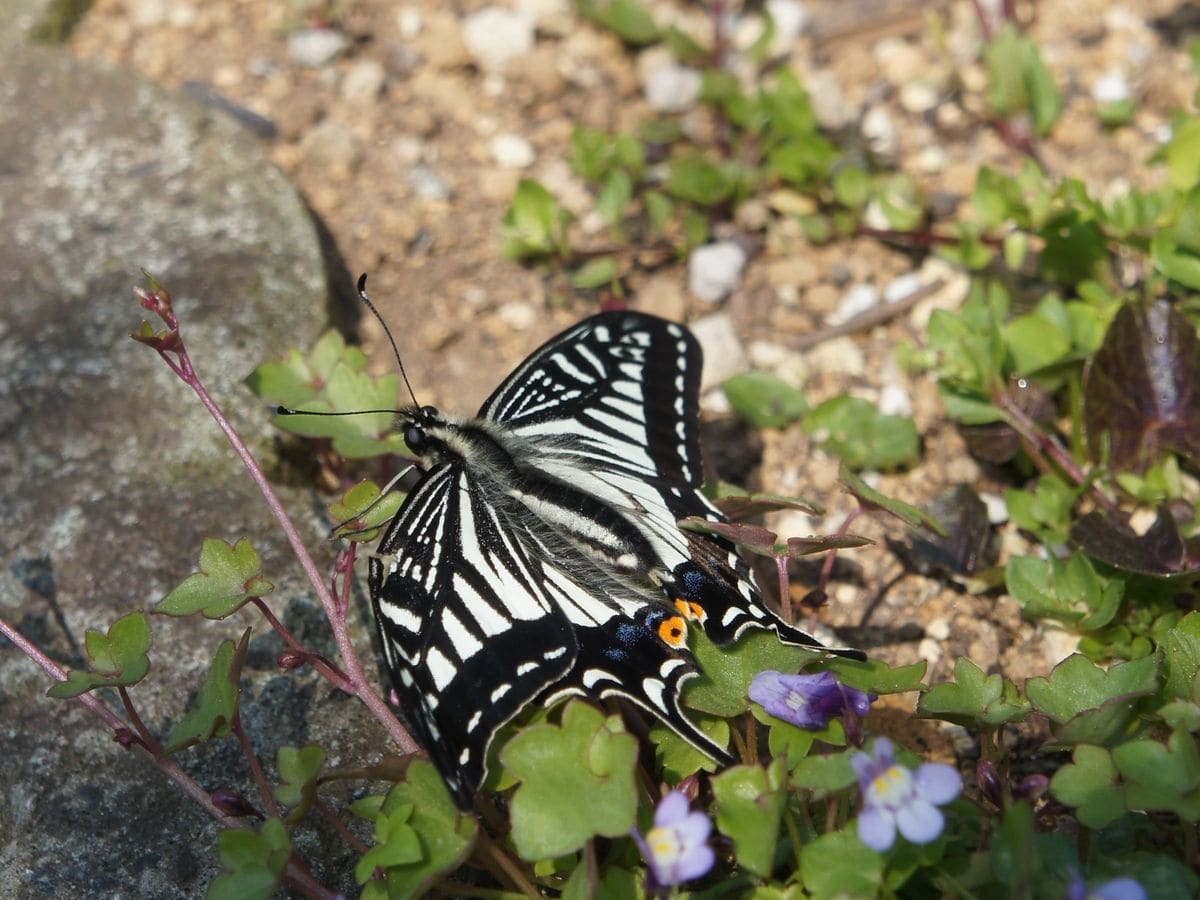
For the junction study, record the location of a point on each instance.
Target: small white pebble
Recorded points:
(997, 509)
(363, 82)
(902, 286)
(715, 270)
(517, 315)
(790, 18)
(495, 37)
(880, 133)
(672, 89)
(894, 401)
(316, 47)
(938, 629)
(858, 299)
(408, 22)
(512, 151)
(1111, 87)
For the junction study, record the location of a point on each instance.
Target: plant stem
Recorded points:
(260, 778)
(118, 725)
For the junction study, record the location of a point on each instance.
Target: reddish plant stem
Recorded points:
(831, 556)
(335, 822)
(118, 725)
(260, 777)
(785, 591)
(1045, 451)
(327, 669)
(149, 741)
(357, 680)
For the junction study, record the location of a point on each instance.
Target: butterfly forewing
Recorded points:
(539, 555)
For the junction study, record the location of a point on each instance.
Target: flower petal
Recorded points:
(865, 768)
(671, 809)
(876, 828)
(920, 821)
(938, 783)
(767, 688)
(696, 862)
(1119, 889)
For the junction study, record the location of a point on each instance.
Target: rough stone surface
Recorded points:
(112, 474)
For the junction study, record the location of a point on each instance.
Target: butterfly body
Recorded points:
(538, 556)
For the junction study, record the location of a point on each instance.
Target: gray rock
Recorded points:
(112, 473)
(316, 47)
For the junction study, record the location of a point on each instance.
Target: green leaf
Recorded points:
(1162, 778)
(825, 773)
(216, 706)
(1020, 80)
(692, 177)
(1182, 154)
(577, 781)
(852, 187)
(838, 864)
(396, 841)
(1037, 340)
(906, 513)
(679, 758)
(419, 809)
(298, 770)
(1070, 591)
(876, 677)
(253, 860)
(627, 19)
(1181, 658)
(1090, 705)
(298, 379)
(229, 578)
(765, 401)
(332, 378)
(750, 802)
(614, 197)
(1090, 784)
(974, 699)
(362, 512)
(117, 659)
(864, 438)
(534, 226)
(595, 273)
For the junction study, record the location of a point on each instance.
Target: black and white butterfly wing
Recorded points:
(612, 407)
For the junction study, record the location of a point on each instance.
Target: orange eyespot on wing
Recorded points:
(673, 631)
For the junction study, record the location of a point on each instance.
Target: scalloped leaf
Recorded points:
(216, 706)
(363, 512)
(577, 781)
(298, 768)
(750, 802)
(254, 861)
(229, 578)
(118, 658)
(974, 699)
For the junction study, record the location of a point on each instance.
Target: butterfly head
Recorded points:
(418, 422)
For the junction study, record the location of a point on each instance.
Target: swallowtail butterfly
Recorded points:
(538, 556)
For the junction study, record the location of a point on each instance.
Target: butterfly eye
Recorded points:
(414, 436)
(429, 413)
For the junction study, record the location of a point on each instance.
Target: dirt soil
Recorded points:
(391, 142)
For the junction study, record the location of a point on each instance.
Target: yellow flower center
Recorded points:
(664, 844)
(892, 787)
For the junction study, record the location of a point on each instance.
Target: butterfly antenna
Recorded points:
(362, 295)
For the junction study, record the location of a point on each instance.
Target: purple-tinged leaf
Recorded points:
(1142, 388)
(1162, 551)
(967, 547)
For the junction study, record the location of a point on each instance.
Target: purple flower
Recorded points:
(897, 797)
(808, 701)
(1117, 889)
(676, 848)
